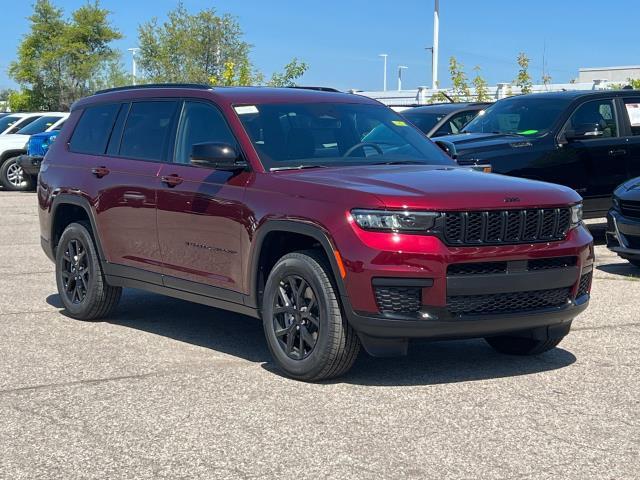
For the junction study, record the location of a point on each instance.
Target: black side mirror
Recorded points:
(584, 131)
(220, 156)
(448, 148)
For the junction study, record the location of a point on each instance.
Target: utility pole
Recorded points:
(430, 49)
(133, 63)
(384, 76)
(400, 68)
(436, 34)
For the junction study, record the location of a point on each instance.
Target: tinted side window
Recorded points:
(632, 106)
(597, 112)
(148, 130)
(94, 127)
(21, 124)
(200, 123)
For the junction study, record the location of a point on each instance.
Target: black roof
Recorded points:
(574, 94)
(447, 107)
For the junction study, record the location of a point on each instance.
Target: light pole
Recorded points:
(400, 68)
(133, 62)
(434, 51)
(430, 49)
(384, 75)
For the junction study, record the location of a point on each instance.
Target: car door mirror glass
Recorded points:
(448, 147)
(220, 156)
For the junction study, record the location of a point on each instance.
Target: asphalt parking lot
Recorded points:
(168, 389)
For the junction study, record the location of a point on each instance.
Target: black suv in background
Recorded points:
(442, 119)
(623, 222)
(586, 140)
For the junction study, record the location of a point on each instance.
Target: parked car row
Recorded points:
(589, 141)
(17, 130)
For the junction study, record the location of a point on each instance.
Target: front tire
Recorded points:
(81, 284)
(306, 332)
(522, 345)
(13, 177)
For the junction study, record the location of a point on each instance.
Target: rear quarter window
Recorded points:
(92, 133)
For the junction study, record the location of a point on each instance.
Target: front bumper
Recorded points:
(623, 235)
(453, 305)
(30, 164)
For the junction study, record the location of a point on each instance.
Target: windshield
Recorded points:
(6, 122)
(523, 116)
(424, 121)
(335, 134)
(39, 126)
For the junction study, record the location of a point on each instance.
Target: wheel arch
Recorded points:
(6, 155)
(64, 209)
(311, 231)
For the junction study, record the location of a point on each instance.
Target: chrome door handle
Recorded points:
(617, 152)
(100, 171)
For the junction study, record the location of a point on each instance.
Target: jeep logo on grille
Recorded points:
(511, 199)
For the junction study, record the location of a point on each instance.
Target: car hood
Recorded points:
(478, 142)
(14, 140)
(433, 187)
(629, 190)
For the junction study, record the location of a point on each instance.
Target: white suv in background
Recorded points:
(15, 121)
(13, 145)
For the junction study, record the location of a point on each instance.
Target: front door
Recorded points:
(601, 159)
(201, 215)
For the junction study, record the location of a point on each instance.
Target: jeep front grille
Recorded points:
(497, 227)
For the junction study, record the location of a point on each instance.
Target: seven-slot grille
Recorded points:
(630, 208)
(506, 226)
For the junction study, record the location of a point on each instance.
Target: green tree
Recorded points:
(293, 70)
(523, 80)
(19, 101)
(480, 85)
(203, 48)
(59, 58)
(461, 91)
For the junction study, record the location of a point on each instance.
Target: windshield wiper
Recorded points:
(296, 167)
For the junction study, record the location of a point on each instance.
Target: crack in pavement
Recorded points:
(90, 381)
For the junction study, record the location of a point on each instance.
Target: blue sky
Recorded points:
(341, 39)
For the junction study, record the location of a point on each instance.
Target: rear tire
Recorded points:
(521, 345)
(81, 284)
(306, 332)
(13, 177)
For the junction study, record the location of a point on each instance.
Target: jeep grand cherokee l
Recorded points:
(267, 202)
(623, 222)
(586, 140)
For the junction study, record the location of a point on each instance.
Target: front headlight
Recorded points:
(401, 221)
(576, 215)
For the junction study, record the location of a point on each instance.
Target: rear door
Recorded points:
(201, 215)
(124, 146)
(631, 116)
(603, 159)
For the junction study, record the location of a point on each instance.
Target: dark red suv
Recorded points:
(325, 214)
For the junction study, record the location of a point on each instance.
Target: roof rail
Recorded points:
(199, 86)
(320, 89)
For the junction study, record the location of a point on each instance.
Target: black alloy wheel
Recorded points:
(296, 317)
(75, 271)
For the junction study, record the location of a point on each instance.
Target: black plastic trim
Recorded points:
(512, 282)
(69, 199)
(292, 226)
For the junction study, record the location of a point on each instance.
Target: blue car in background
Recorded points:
(36, 149)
